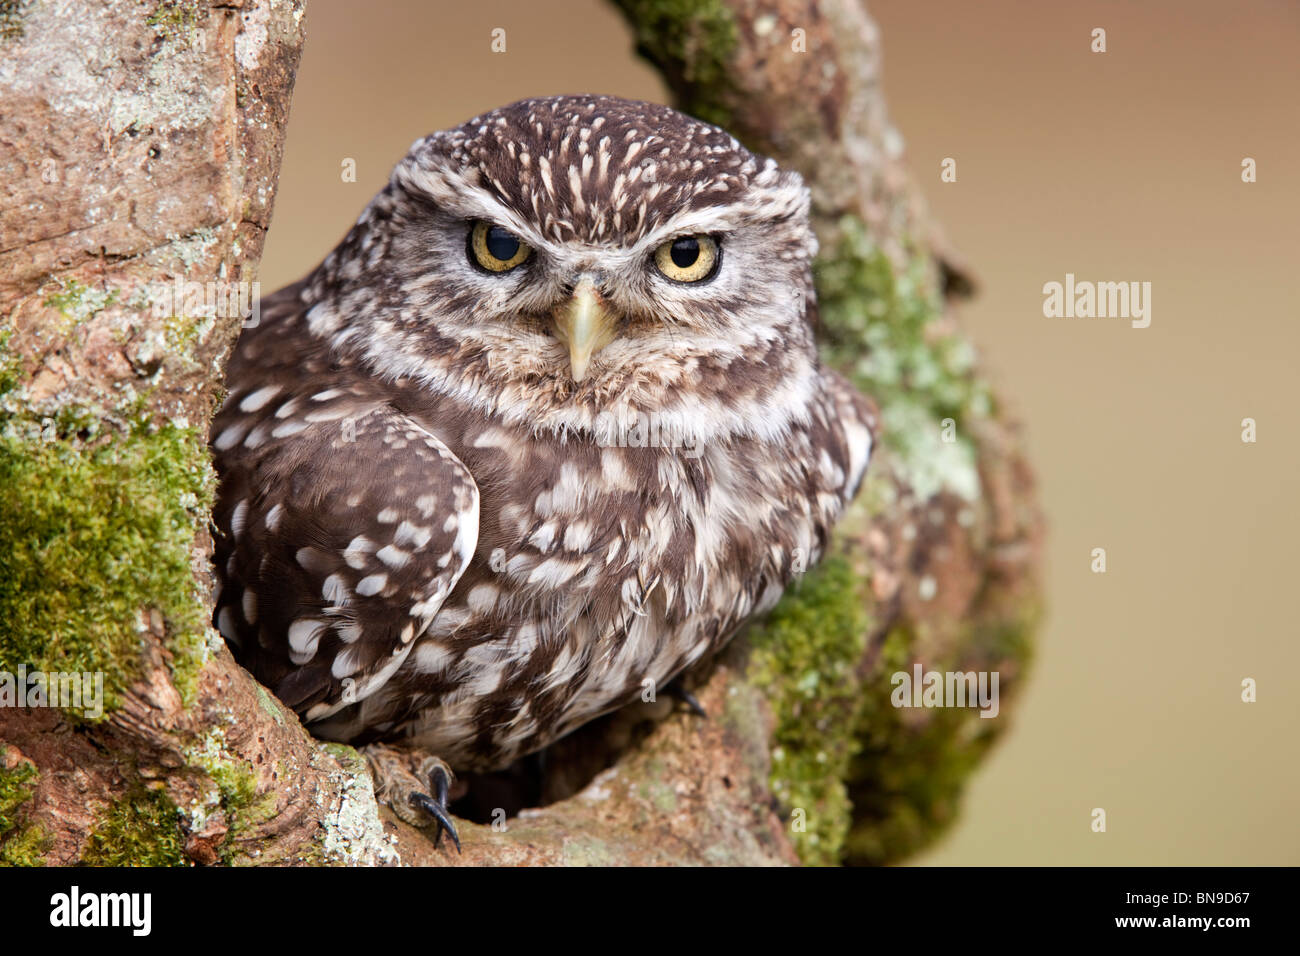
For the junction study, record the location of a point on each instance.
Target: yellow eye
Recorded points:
(688, 258)
(495, 249)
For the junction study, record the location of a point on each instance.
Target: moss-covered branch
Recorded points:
(136, 170)
(945, 540)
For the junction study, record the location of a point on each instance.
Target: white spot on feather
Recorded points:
(357, 551)
(230, 437)
(291, 427)
(412, 534)
(554, 572)
(226, 624)
(346, 663)
(372, 584)
(335, 590)
(255, 400)
(482, 599)
(304, 638)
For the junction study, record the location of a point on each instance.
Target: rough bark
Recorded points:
(139, 144)
(164, 125)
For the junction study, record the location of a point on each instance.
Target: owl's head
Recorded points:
(566, 256)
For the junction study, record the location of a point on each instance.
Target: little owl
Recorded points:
(549, 423)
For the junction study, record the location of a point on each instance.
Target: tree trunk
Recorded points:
(140, 145)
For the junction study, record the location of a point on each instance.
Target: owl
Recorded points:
(546, 428)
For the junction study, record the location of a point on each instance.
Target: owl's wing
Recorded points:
(858, 423)
(337, 543)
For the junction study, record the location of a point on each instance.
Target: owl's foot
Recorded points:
(402, 778)
(440, 777)
(678, 689)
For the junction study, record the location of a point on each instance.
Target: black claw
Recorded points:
(689, 699)
(436, 806)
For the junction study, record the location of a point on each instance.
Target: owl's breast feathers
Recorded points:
(394, 563)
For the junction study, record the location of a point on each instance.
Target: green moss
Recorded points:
(14, 790)
(883, 328)
(143, 829)
(10, 367)
(92, 535)
(21, 844)
(27, 847)
(805, 657)
(11, 18)
(880, 328)
(244, 809)
(875, 783)
(691, 42)
(173, 18)
(236, 791)
(907, 778)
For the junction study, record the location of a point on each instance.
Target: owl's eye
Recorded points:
(495, 249)
(688, 258)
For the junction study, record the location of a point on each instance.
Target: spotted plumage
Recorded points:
(468, 503)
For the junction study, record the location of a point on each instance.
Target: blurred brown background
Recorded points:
(1118, 166)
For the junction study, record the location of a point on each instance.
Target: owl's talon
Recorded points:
(400, 777)
(690, 700)
(436, 807)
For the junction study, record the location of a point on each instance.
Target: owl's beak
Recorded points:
(585, 326)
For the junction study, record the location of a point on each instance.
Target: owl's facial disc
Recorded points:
(585, 324)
